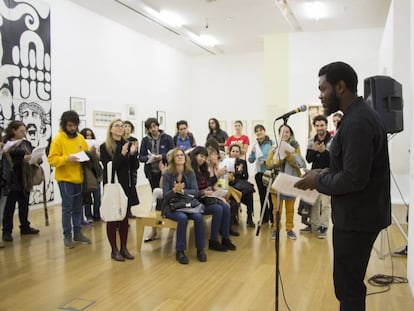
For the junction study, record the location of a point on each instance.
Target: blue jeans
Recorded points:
(221, 219)
(96, 195)
(71, 207)
(182, 221)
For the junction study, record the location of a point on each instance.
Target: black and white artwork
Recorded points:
(25, 75)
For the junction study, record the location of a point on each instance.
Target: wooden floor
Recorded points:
(38, 273)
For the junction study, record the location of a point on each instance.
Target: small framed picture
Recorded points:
(104, 118)
(161, 117)
(143, 129)
(82, 124)
(223, 125)
(131, 112)
(79, 105)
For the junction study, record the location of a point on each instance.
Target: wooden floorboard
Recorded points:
(38, 273)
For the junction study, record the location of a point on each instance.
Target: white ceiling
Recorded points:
(238, 25)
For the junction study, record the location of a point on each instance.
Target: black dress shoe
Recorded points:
(201, 255)
(216, 246)
(234, 233)
(227, 243)
(125, 253)
(181, 257)
(29, 230)
(117, 256)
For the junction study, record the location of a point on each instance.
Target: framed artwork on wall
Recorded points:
(143, 129)
(161, 117)
(131, 112)
(104, 118)
(82, 124)
(223, 125)
(79, 105)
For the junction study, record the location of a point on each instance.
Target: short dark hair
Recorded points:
(69, 116)
(131, 125)
(340, 71)
(182, 122)
(259, 126)
(150, 121)
(319, 117)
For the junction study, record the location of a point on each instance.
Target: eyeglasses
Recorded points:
(118, 125)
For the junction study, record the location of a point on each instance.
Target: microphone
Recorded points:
(296, 110)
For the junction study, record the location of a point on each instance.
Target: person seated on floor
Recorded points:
(179, 177)
(214, 206)
(239, 180)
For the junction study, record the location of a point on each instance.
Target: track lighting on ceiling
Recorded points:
(172, 22)
(287, 13)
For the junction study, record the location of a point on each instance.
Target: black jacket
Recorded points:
(124, 167)
(359, 175)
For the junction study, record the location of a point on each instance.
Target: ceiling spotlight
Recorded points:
(315, 10)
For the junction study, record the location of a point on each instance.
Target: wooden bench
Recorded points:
(154, 219)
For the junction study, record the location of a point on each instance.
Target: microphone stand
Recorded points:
(275, 172)
(277, 238)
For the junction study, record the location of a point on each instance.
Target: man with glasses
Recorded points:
(184, 139)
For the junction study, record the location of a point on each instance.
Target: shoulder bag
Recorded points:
(185, 203)
(114, 200)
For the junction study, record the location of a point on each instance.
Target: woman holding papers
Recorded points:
(287, 158)
(124, 160)
(93, 197)
(215, 206)
(17, 150)
(260, 151)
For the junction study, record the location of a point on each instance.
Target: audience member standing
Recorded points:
(68, 173)
(239, 139)
(318, 154)
(18, 155)
(358, 181)
(94, 197)
(289, 163)
(258, 154)
(124, 159)
(184, 139)
(216, 133)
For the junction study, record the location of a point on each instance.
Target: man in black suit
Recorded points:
(358, 181)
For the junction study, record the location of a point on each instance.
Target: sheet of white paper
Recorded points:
(285, 184)
(11, 143)
(37, 154)
(220, 193)
(151, 158)
(82, 156)
(259, 157)
(228, 163)
(92, 143)
(280, 152)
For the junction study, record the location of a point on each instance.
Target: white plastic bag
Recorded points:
(114, 200)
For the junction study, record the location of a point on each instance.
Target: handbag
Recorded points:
(185, 203)
(114, 201)
(243, 185)
(206, 200)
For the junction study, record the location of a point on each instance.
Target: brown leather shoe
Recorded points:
(125, 253)
(117, 256)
